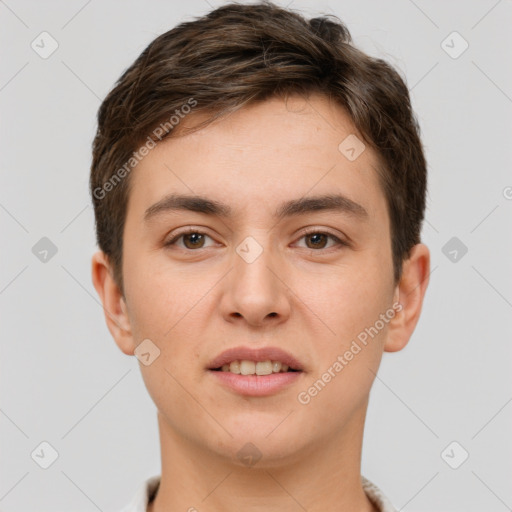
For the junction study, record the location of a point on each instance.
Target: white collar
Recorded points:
(147, 489)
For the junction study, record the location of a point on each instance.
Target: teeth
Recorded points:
(264, 368)
(234, 367)
(246, 367)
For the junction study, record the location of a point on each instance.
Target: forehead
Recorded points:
(262, 154)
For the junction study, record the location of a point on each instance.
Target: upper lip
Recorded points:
(255, 354)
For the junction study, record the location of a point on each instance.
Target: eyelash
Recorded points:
(339, 242)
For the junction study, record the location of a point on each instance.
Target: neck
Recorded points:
(322, 477)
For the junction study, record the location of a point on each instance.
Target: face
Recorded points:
(314, 281)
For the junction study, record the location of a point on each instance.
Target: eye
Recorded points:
(192, 239)
(195, 239)
(319, 239)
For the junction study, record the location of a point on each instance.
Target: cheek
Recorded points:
(160, 299)
(348, 361)
(347, 364)
(345, 299)
(170, 308)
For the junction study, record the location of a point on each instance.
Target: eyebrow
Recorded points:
(194, 203)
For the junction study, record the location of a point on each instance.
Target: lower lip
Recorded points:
(257, 385)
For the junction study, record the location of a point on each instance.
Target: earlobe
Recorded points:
(409, 293)
(114, 306)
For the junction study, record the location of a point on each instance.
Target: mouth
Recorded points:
(251, 361)
(247, 367)
(256, 372)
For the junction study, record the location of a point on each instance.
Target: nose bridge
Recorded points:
(254, 290)
(252, 261)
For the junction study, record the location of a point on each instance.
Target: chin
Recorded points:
(259, 446)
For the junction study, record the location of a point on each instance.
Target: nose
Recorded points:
(255, 292)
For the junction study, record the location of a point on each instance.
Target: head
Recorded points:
(308, 154)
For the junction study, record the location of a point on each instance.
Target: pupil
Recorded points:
(315, 236)
(196, 237)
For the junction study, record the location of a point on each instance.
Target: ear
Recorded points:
(114, 305)
(409, 293)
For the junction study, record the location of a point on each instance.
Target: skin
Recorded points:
(193, 303)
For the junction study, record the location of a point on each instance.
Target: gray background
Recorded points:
(64, 380)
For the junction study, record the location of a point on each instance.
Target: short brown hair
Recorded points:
(240, 54)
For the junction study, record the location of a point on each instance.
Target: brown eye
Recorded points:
(189, 240)
(318, 240)
(193, 240)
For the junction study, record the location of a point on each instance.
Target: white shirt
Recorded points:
(147, 490)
